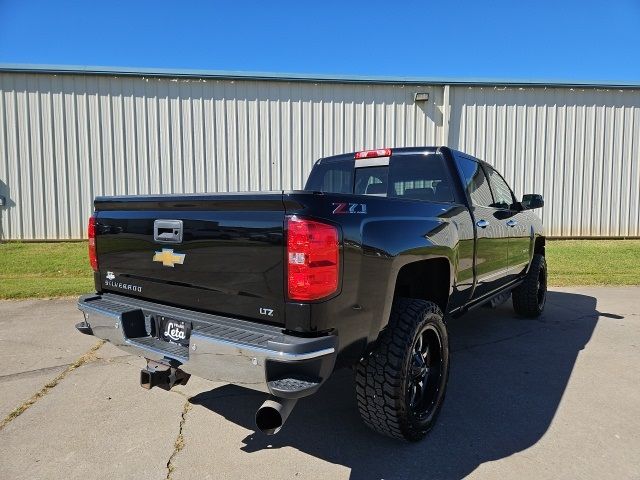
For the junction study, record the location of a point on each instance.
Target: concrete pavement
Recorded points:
(556, 397)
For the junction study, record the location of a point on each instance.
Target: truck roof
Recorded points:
(394, 151)
(398, 151)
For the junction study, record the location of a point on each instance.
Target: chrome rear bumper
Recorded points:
(220, 349)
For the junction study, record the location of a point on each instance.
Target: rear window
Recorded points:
(332, 177)
(418, 177)
(371, 181)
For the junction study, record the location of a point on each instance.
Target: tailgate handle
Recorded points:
(167, 231)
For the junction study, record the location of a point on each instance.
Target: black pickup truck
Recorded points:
(273, 291)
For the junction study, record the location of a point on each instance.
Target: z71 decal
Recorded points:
(349, 208)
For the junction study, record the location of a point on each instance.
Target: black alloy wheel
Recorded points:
(424, 379)
(401, 382)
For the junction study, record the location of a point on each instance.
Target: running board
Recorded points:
(498, 299)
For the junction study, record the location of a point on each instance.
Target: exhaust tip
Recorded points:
(271, 416)
(268, 420)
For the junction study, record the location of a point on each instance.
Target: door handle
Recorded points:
(512, 223)
(482, 223)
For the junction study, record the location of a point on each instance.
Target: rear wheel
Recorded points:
(400, 384)
(530, 296)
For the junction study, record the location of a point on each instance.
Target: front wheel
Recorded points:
(530, 296)
(400, 384)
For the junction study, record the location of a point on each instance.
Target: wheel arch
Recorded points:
(424, 279)
(428, 279)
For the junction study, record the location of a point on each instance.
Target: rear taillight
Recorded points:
(313, 258)
(91, 233)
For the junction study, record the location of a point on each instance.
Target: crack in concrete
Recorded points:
(89, 356)
(179, 443)
(31, 373)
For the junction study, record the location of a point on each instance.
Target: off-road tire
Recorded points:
(383, 376)
(530, 296)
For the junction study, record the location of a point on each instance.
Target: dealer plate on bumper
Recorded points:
(175, 331)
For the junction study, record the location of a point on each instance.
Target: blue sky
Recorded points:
(534, 40)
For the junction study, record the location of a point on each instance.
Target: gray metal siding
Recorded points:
(65, 138)
(68, 138)
(578, 147)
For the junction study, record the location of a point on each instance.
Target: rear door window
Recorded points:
(475, 182)
(420, 177)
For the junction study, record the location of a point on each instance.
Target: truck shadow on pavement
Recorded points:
(508, 376)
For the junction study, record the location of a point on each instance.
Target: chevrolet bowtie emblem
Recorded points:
(168, 258)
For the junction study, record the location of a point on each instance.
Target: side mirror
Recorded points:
(531, 201)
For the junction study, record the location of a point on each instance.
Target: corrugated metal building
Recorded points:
(68, 134)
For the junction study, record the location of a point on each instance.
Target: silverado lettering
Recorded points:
(123, 286)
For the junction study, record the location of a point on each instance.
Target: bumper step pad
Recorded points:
(173, 350)
(296, 384)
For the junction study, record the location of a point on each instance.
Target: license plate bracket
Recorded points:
(175, 331)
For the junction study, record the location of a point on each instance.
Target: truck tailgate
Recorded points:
(229, 258)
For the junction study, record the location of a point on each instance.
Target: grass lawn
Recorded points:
(593, 262)
(61, 269)
(44, 269)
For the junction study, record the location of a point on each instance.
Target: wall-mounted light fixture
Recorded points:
(2, 201)
(421, 97)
